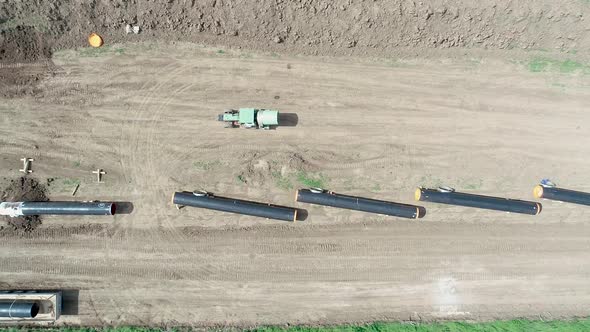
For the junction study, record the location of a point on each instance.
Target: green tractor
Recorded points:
(250, 118)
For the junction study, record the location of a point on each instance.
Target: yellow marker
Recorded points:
(418, 194)
(95, 40)
(538, 191)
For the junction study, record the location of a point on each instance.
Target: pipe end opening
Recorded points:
(34, 310)
(539, 208)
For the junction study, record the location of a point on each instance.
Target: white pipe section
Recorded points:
(11, 209)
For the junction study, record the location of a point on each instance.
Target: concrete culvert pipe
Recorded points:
(19, 309)
(16, 209)
(445, 196)
(328, 198)
(209, 201)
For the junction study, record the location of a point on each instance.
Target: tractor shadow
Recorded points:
(288, 119)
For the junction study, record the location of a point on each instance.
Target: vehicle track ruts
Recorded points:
(145, 150)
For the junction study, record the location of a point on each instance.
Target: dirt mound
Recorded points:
(316, 26)
(23, 44)
(22, 80)
(24, 189)
(260, 169)
(23, 61)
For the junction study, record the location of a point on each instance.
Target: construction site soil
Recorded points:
(380, 96)
(24, 190)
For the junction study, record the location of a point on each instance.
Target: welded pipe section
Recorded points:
(477, 201)
(17, 209)
(19, 309)
(559, 194)
(212, 202)
(328, 198)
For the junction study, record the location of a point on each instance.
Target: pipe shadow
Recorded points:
(124, 207)
(70, 301)
(302, 214)
(288, 119)
(421, 212)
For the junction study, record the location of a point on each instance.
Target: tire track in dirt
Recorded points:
(162, 189)
(345, 252)
(357, 269)
(337, 265)
(145, 149)
(131, 142)
(202, 272)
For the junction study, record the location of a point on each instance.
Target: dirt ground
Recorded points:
(24, 189)
(317, 27)
(372, 127)
(486, 97)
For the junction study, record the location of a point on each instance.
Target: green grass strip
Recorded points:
(494, 326)
(538, 65)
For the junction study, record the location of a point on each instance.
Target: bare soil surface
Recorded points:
(23, 44)
(24, 189)
(375, 127)
(24, 60)
(315, 26)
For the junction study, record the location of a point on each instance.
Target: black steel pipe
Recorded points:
(478, 201)
(68, 208)
(329, 198)
(19, 309)
(564, 195)
(209, 201)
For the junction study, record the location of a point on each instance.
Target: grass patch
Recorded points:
(348, 184)
(308, 180)
(282, 182)
(470, 184)
(206, 165)
(496, 326)
(62, 185)
(392, 62)
(240, 179)
(539, 65)
(360, 183)
(506, 326)
(93, 52)
(430, 181)
(70, 182)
